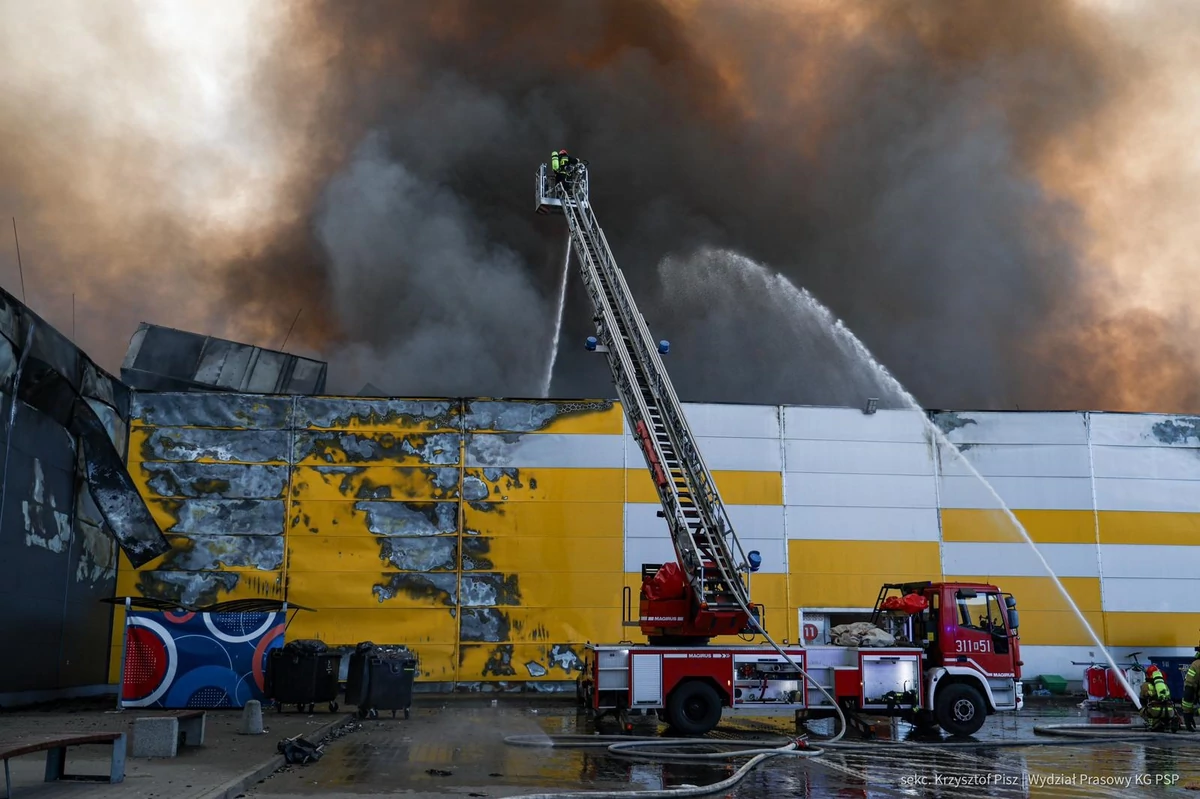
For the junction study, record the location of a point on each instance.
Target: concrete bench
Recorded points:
(162, 735)
(55, 747)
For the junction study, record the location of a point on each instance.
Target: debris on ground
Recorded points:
(438, 772)
(298, 751)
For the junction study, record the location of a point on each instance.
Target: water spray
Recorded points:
(562, 303)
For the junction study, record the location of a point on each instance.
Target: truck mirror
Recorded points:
(1010, 602)
(1014, 618)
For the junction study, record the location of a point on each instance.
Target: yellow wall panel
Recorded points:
(552, 519)
(519, 662)
(1143, 527)
(356, 518)
(534, 625)
(1152, 629)
(1043, 526)
(368, 590)
(308, 552)
(374, 482)
(1040, 593)
(383, 625)
(864, 557)
(554, 590)
(736, 487)
(580, 555)
(547, 485)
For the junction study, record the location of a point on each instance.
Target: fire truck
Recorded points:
(955, 657)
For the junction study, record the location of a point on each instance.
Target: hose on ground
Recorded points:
(627, 746)
(1123, 731)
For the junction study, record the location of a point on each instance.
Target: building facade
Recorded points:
(496, 537)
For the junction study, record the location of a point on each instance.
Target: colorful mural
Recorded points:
(178, 659)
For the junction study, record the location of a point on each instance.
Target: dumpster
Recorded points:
(381, 678)
(303, 673)
(358, 672)
(1173, 669)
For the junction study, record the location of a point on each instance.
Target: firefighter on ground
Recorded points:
(1158, 709)
(1191, 683)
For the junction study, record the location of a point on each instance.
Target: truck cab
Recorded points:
(969, 633)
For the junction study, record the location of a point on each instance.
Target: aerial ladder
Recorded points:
(706, 592)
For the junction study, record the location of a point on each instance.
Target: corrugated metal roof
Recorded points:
(164, 359)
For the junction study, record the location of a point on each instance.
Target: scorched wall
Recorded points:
(495, 537)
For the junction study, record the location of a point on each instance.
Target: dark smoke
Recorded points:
(895, 158)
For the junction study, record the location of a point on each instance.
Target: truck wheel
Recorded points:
(960, 709)
(694, 708)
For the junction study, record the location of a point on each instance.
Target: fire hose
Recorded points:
(629, 746)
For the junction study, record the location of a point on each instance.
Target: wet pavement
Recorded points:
(458, 749)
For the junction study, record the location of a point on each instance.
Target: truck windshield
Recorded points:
(982, 612)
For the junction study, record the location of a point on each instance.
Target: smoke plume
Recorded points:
(989, 194)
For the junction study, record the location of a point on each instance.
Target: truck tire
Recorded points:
(694, 708)
(960, 709)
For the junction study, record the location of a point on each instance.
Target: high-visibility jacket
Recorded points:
(1191, 681)
(1156, 685)
(554, 162)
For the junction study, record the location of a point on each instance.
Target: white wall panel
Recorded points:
(660, 550)
(857, 457)
(1013, 428)
(1178, 496)
(735, 421)
(851, 424)
(1150, 561)
(859, 490)
(1019, 460)
(736, 454)
(862, 524)
(550, 450)
(1022, 493)
(749, 521)
(1133, 595)
(1059, 659)
(1151, 463)
(1155, 430)
(1019, 560)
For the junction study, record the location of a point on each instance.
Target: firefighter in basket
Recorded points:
(1158, 709)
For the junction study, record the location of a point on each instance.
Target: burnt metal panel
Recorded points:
(482, 589)
(227, 446)
(201, 409)
(419, 554)
(410, 519)
(162, 357)
(217, 552)
(484, 625)
(187, 588)
(192, 480)
(434, 588)
(516, 416)
(224, 516)
(329, 413)
(341, 446)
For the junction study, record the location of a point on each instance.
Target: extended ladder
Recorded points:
(706, 546)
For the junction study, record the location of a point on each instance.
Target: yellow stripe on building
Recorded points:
(541, 484)
(1046, 617)
(1145, 527)
(1043, 526)
(1153, 629)
(736, 487)
(547, 554)
(849, 573)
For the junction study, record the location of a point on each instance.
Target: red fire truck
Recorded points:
(957, 657)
